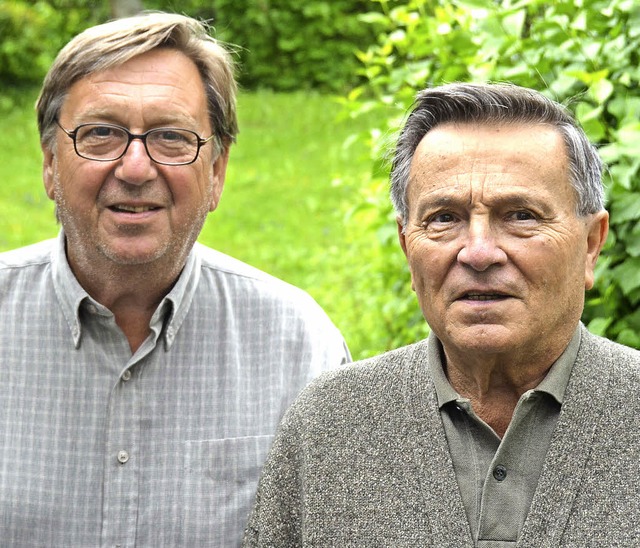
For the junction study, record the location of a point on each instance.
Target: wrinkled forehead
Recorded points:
(457, 144)
(455, 158)
(148, 88)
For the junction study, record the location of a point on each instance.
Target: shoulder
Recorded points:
(269, 309)
(216, 261)
(607, 353)
(363, 389)
(31, 255)
(224, 266)
(608, 367)
(238, 280)
(380, 370)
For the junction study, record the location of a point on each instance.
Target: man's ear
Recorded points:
(403, 244)
(219, 174)
(48, 171)
(401, 238)
(597, 230)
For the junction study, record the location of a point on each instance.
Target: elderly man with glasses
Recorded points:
(143, 373)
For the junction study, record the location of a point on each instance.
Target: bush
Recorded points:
(288, 44)
(585, 54)
(282, 44)
(32, 33)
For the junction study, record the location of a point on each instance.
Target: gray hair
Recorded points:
(497, 104)
(111, 44)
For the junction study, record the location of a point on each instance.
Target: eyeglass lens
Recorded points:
(164, 145)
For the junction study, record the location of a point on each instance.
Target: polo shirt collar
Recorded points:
(554, 383)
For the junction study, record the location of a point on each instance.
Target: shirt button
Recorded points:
(123, 457)
(126, 375)
(500, 472)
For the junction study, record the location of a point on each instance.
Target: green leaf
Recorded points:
(513, 23)
(626, 208)
(628, 275)
(630, 338)
(601, 90)
(599, 326)
(373, 18)
(475, 4)
(633, 247)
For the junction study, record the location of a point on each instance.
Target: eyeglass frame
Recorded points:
(131, 136)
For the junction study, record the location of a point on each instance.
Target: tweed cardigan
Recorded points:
(361, 459)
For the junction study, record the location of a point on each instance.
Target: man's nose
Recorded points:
(136, 166)
(481, 247)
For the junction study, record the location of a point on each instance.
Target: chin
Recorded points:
(131, 257)
(483, 339)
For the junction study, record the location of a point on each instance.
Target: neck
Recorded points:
(494, 384)
(132, 293)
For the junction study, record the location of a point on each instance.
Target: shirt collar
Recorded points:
(554, 383)
(173, 306)
(69, 292)
(179, 299)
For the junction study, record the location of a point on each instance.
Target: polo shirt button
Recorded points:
(126, 375)
(500, 472)
(123, 457)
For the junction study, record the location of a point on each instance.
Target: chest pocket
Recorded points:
(221, 477)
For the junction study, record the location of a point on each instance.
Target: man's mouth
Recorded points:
(123, 208)
(484, 296)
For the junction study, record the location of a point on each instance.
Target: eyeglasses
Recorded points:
(107, 142)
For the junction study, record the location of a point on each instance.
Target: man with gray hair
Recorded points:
(511, 424)
(143, 373)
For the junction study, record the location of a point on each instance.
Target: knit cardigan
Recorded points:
(361, 459)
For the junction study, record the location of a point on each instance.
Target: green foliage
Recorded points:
(288, 44)
(585, 54)
(32, 33)
(282, 44)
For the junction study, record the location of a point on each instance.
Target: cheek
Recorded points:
(427, 274)
(78, 179)
(555, 270)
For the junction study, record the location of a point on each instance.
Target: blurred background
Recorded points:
(324, 87)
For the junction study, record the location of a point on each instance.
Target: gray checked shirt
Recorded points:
(99, 447)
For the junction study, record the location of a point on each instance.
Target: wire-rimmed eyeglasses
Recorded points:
(169, 146)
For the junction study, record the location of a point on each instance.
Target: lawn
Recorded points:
(290, 181)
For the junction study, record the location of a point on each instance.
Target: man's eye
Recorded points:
(99, 131)
(171, 136)
(522, 216)
(443, 218)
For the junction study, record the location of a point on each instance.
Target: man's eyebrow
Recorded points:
(109, 115)
(450, 199)
(440, 201)
(520, 199)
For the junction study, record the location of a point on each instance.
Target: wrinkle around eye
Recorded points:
(443, 218)
(433, 229)
(530, 216)
(440, 221)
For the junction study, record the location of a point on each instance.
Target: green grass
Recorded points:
(26, 214)
(290, 181)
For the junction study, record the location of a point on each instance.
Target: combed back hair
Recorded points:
(497, 104)
(112, 44)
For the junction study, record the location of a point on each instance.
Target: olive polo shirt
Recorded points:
(497, 478)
